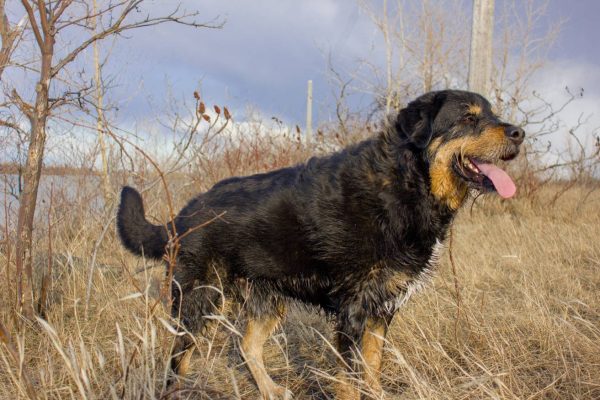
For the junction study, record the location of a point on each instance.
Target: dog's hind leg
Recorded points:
(257, 332)
(184, 346)
(181, 355)
(193, 299)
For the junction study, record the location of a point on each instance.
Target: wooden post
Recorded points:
(482, 29)
(104, 179)
(309, 97)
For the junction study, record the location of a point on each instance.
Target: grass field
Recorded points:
(519, 318)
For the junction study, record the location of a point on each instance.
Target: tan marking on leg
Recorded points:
(182, 354)
(372, 349)
(257, 332)
(185, 361)
(346, 389)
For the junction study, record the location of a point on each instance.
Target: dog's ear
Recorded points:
(415, 122)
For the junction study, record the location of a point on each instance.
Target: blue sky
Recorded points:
(268, 49)
(578, 39)
(262, 57)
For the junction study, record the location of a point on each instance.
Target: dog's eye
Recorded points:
(469, 119)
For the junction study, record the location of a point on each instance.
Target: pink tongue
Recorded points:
(502, 182)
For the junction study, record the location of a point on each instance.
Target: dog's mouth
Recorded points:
(485, 176)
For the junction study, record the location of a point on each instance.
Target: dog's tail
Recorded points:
(137, 234)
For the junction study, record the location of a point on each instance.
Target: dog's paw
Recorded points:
(279, 393)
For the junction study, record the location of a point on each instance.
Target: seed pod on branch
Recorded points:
(201, 108)
(217, 109)
(226, 113)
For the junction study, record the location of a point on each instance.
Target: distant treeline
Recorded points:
(59, 170)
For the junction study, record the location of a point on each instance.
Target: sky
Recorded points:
(262, 57)
(579, 32)
(268, 49)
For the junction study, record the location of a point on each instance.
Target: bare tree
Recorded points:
(9, 35)
(48, 20)
(425, 48)
(104, 179)
(521, 51)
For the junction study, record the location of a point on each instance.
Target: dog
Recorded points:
(356, 232)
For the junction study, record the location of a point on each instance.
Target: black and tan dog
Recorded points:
(356, 232)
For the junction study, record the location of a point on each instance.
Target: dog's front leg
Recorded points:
(360, 340)
(372, 351)
(351, 325)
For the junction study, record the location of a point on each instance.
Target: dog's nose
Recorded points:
(514, 133)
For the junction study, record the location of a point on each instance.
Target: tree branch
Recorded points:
(117, 28)
(62, 6)
(13, 126)
(43, 18)
(33, 22)
(25, 107)
(9, 37)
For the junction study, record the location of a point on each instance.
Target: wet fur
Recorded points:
(353, 232)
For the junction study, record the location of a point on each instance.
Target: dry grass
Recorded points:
(527, 324)
(529, 319)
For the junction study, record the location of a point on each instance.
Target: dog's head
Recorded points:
(463, 141)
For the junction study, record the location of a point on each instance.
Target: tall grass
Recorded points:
(517, 316)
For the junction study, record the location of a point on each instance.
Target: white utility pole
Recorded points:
(309, 96)
(482, 29)
(104, 179)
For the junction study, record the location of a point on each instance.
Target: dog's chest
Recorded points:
(418, 282)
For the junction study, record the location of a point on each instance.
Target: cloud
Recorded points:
(264, 54)
(582, 80)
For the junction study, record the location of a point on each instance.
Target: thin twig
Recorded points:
(456, 284)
